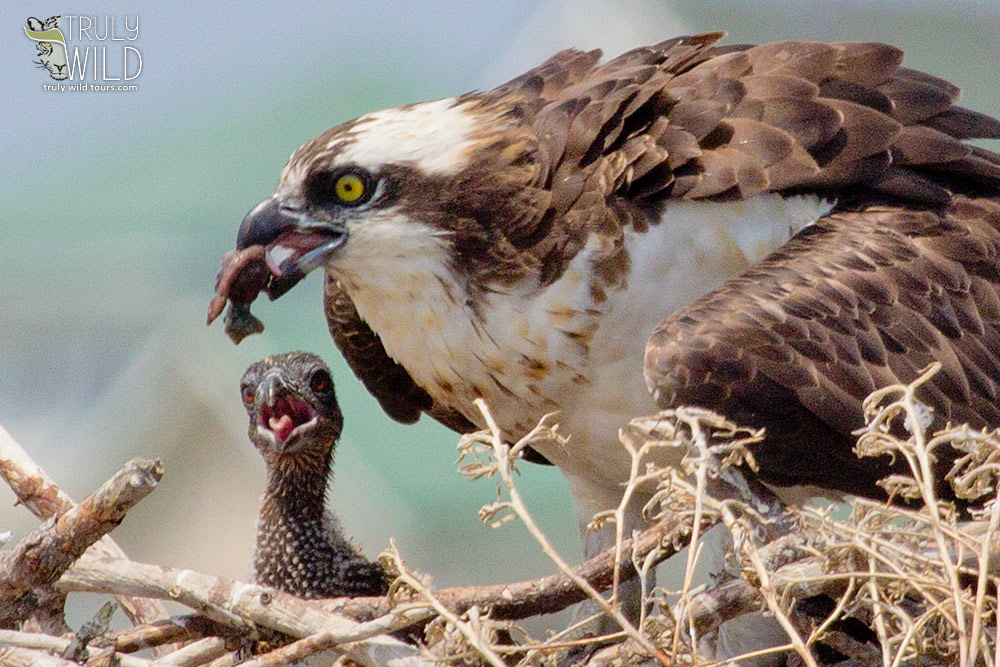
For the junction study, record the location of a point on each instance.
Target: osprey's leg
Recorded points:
(591, 500)
(752, 631)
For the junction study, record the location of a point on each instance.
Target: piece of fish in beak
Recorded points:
(240, 322)
(243, 274)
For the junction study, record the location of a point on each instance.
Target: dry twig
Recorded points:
(924, 580)
(505, 454)
(244, 606)
(59, 645)
(405, 577)
(173, 629)
(36, 491)
(42, 556)
(14, 656)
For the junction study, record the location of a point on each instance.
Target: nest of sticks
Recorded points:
(878, 584)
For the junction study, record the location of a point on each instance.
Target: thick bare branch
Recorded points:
(196, 653)
(305, 618)
(243, 605)
(548, 594)
(15, 656)
(42, 556)
(174, 629)
(32, 485)
(709, 609)
(505, 601)
(291, 654)
(60, 645)
(36, 491)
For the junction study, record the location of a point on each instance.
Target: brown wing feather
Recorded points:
(606, 146)
(859, 300)
(601, 146)
(738, 120)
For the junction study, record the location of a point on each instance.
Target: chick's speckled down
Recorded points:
(295, 422)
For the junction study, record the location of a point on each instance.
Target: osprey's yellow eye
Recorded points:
(343, 188)
(350, 188)
(46, 44)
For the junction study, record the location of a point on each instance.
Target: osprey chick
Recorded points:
(796, 224)
(294, 423)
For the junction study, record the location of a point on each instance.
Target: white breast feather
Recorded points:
(695, 248)
(405, 290)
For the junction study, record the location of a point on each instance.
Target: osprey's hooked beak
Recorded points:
(295, 242)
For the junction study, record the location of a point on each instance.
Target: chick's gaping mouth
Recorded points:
(285, 417)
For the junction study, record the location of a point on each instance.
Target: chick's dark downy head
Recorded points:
(292, 405)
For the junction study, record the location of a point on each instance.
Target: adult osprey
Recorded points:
(805, 216)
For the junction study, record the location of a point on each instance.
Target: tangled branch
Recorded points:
(921, 582)
(37, 492)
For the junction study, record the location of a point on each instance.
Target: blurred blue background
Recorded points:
(117, 205)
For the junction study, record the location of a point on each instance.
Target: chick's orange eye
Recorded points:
(248, 395)
(350, 188)
(320, 381)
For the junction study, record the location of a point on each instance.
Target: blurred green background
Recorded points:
(117, 205)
